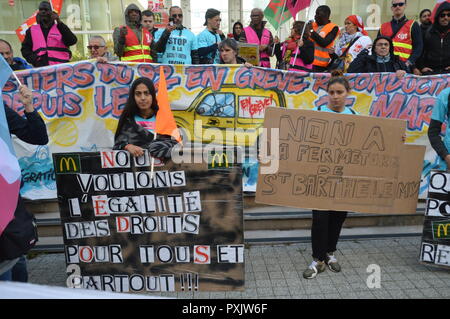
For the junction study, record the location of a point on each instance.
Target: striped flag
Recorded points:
(9, 166)
(277, 13)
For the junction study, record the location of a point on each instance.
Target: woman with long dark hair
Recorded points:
(136, 128)
(237, 30)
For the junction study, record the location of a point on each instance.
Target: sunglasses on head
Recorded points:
(180, 15)
(401, 4)
(443, 15)
(95, 47)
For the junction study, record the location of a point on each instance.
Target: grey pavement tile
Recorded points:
(332, 296)
(261, 275)
(381, 294)
(315, 296)
(421, 284)
(188, 295)
(276, 275)
(217, 295)
(445, 293)
(414, 293)
(201, 295)
(430, 293)
(389, 285)
(365, 295)
(250, 284)
(405, 284)
(266, 291)
(263, 283)
(233, 295)
(272, 268)
(343, 288)
(281, 291)
(278, 283)
(259, 267)
(398, 294)
(349, 295)
(292, 275)
(249, 293)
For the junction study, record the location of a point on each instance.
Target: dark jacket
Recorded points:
(436, 54)
(27, 45)
(20, 64)
(133, 133)
(31, 130)
(365, 63)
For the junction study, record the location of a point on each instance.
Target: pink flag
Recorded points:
(295, 6)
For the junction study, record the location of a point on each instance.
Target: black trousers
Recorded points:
(325, 231)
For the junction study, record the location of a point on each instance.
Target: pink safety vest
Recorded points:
(54, 47)
(252, 37)
(299, 65)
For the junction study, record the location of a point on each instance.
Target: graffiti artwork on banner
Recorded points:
(79, 100)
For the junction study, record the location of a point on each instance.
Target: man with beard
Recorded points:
(209, 39)
(48, 41)
(177, 44)
(132, 42)
(425, 20)
(257, 34)
(436, 54)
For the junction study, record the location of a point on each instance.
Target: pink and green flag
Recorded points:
(275, 14)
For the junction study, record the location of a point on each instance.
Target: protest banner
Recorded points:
(126, 232)
(81, 103)
(249, 52)
(330, 161)
(435, 246)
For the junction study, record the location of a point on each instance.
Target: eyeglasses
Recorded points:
(95, 47)
(180, 15)
(443, 15)
(395, 5)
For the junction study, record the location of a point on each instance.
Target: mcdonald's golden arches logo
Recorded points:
(67, 164)
(440, 229)
(218, 160)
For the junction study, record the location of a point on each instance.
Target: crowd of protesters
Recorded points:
(402, 44)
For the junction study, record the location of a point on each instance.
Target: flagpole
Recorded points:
(279, 25)
(152, 165)
(303, 31)
(17, 79)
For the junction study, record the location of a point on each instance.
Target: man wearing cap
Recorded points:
(209, 39)
(48, 41)
(257, 34)
(177, 44)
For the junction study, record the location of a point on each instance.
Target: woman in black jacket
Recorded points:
(382, 59)
(435, 58)
(136, 128)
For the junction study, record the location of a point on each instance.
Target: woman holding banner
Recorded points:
(136, 129)
(327, 225)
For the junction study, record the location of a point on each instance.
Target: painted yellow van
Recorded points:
(231, 116)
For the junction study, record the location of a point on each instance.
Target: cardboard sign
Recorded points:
(250, 52)
(331, 161)
(124, 231)
(435, 248)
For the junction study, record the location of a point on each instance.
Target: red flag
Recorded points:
(165, 122)
(11, 3)
(433, 13)
(20, 31)
(295, 6)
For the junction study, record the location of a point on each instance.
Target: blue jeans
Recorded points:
(17, 273)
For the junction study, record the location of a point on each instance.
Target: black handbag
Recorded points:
(337, 63)
(20, 235)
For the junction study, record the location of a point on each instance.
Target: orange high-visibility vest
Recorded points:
(402, 41)
(135, 51)
(321, 55)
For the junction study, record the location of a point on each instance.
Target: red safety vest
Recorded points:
(252, 37)
(402, 41)
(53, 47)
(135, 51)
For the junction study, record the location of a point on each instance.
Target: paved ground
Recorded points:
(275, 271)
